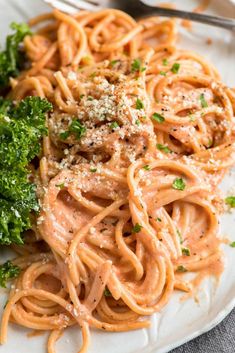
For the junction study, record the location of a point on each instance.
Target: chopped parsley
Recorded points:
(185, 251)
(158, 117)
(137, 228)
(137, 122)
(139, 104)
(93, 170)
(114, 62)
(158, 219)
(107, 292)
(232, 244)
(162, 73)
(230, 200)
(192, 118)
(8, 271)
(136, 66)
(165, 62)
(203, 101)
(64, 135)
(163, 148)
(181, 269)
(146, 167)
(75, 128)
(114, 125)
(210, 143)
(180, 236)
(179, 184)
(93, 75)
(60, 186)
(175, 68)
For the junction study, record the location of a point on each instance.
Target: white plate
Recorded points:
(179, 322)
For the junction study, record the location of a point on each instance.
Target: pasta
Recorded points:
(140, 136)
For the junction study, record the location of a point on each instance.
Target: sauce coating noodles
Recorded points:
(140, 136)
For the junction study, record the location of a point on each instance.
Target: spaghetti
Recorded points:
(140, 136)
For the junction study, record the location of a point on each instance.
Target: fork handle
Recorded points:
(222, 22)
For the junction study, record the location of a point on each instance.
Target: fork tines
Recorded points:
(71, 6)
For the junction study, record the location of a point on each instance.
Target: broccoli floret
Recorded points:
(11, 58)
(8, 271)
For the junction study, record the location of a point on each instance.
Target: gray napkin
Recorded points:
(219, 340)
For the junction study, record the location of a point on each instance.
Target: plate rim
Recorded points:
(217, 319)
(222, 314)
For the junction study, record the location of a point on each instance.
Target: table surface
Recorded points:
(219, 340)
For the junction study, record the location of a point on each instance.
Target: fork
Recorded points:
(138, 9)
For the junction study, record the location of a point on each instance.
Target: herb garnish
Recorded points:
(8, 271)
(11, 59)
(163, 148)
(114, 125)
(230, 200)
(203, 101)
(185, 251)
(114, 62)
(93, 75)
(60, 186)
(179, 184)
(165, 62)
(158, 117)
(146, 167)
(210, 143)
(136, 66)
(181, 269)
(107, 292)
(139, 104)
(20, 136)
(64, 135)
(137, 228)
(175, 68)
(75, 128)
(180, 236)
(192, 118)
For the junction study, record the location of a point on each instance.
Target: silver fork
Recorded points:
(137, 9)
